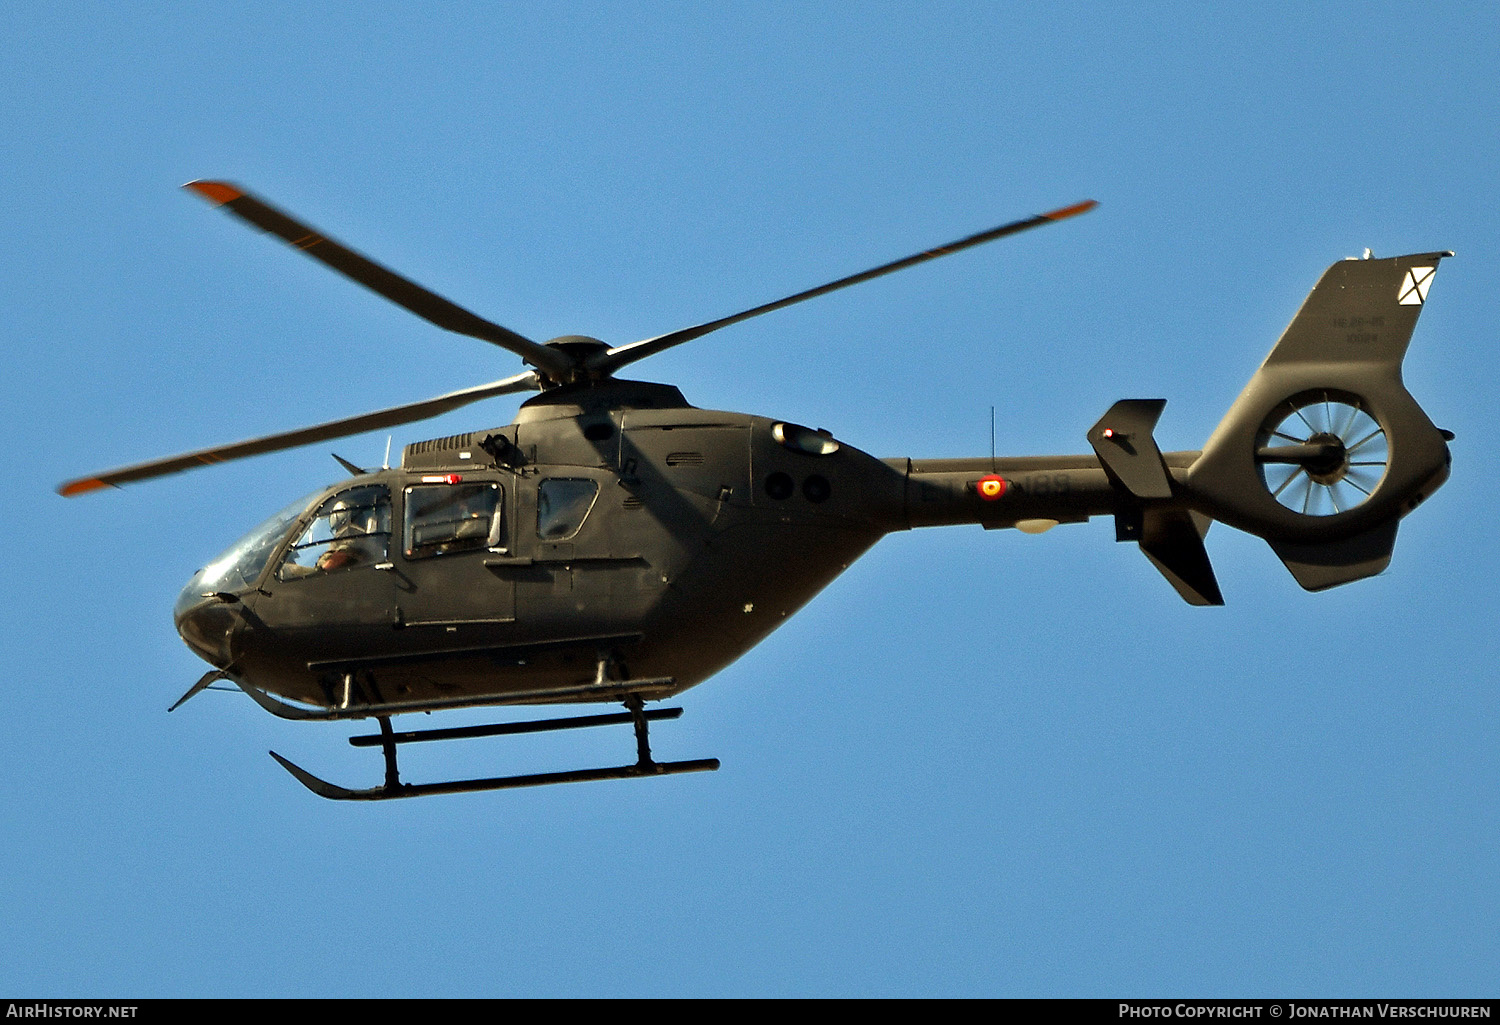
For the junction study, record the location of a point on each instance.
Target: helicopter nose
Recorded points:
(208, 627)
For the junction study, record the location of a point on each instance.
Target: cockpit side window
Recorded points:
(352, 529)
(443, 519)
(562, 504)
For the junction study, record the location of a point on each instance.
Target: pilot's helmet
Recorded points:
(342, 518)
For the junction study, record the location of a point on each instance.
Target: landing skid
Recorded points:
(393, 788)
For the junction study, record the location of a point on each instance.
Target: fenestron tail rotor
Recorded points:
(1321, 453)
(567, 360)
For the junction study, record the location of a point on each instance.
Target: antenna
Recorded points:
(386, 463)
(992, 439)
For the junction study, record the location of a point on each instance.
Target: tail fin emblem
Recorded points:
(1414, 288)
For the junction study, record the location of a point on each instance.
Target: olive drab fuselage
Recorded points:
(614, 519)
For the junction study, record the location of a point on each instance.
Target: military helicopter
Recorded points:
(616, 544)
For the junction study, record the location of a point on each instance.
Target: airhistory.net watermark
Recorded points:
(44, 1009)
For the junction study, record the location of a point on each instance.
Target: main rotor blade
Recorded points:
(613, 359)
(403, 292)
(391, 417)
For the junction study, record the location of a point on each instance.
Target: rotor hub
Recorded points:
(1332, 464)
(579, 347)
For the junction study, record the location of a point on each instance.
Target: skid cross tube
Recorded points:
(393, 788)
(505, 729)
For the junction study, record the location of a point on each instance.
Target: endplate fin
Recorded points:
(1123, 441)
(1173, 541)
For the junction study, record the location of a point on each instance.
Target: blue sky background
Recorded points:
(978, 764)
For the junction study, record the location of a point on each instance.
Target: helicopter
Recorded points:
(615, 544)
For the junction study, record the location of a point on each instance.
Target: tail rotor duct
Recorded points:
(1322, 453)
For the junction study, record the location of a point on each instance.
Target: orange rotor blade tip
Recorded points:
(218, 192)
(1072, 211)
(79, 487)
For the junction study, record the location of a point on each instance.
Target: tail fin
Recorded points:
(1325, 450)
(1169, 535)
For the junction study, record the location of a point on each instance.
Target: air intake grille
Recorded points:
(455, 441)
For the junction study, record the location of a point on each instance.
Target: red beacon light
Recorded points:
(991, 487)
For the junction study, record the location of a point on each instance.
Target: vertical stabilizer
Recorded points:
(1325, 450)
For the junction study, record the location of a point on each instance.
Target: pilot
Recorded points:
(354, 542)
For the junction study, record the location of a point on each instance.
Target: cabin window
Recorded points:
(804, 439)
(351, 529)
(445, 518)
(562, 504)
